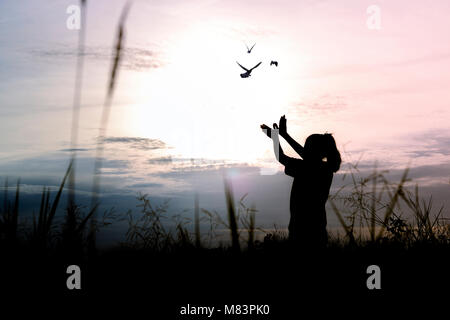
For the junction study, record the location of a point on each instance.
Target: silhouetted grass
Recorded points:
(42, 227)
(161, 248)
(105, 116)
(382, 212)
(232, 216)
(197, 222)
(9, 218)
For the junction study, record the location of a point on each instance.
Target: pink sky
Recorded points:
(372, 88)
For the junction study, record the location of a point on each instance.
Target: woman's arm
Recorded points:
(294, 144)
(282, 158)
(279, 154)
(283, 132)
(273, 133)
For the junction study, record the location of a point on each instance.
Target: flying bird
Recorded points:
(274, 62)
(247, 72)
(249, 50)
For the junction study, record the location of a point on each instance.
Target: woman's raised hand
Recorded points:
(266, 129)
(282, 126)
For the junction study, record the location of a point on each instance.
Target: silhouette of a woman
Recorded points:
(312, 175)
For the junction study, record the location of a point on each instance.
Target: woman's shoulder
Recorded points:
(293, 166)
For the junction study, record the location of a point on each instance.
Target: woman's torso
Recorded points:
(310, 190)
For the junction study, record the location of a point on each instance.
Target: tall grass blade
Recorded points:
(232, 216)
(373, 204)
(5, 198)
(76, 106)
(393, 203)
(52, 211)
(341, 220)
(197, 222)
(251, 228)
(107, 105)
(41, 217)
(83, 222)
(15, 214)
(104, 118)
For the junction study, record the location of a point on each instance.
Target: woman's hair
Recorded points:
(319, 146)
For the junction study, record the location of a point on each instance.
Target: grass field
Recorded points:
(383, 223)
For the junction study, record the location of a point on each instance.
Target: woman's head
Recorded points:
(322, 146)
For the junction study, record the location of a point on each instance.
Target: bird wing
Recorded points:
(242, 66)
(255, 66)
(252, 47)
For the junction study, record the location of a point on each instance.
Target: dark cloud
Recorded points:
(429, 171)
(423, 172)
(430, 143)
(188, 163)
(431, 146)
(114, 164)
(160, 160)
(145, 185)
(74, 149)
(190, 167)
(137, 142)
(137, 59)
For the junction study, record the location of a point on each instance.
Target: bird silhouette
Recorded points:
(249, 50)
(247, 72)
(274, 62)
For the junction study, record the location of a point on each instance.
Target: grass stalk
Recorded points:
(393, 203)
(76, 106)
(232, 216)
(105, 117)
(251, 228)
(197, 221)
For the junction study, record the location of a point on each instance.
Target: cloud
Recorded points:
(74, 149)
(137, 142)
(323, 105)
(115, 164)
(180, 163)
(160, 160)
(431, 171)
(145, 185)
(429, 147)
(423, 172)
(368, 68)
(137, 59)
(431, 142)
(270, 194)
